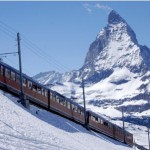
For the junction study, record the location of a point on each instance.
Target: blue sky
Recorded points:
(62, 30)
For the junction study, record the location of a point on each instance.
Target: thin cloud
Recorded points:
(87, 7)
(90, 8)
(103, 7)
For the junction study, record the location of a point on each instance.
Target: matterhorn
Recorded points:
(116, 70)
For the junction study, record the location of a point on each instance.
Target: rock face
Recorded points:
(117, 68)
(115, 46)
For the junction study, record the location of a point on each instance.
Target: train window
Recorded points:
(79, 111)
(29, 85)
(13, 76)
(68, 105)
(7, 73)
(96, 119)
(2, 70)
(64, 103)
(61, 101)
(42, 91)
(34, 87)
(39, 90)
(99, 120)
(75, 108)
(102, 122)
(53, 97)
(17, 78)
(105, 123)
(57, 99)
(24, 82)
(129, 136)
(92, 118)
(82, 113)
(72, 106)
(46, 93)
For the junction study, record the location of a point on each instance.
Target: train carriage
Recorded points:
(98, 123)
(10, 80)
(66, 107)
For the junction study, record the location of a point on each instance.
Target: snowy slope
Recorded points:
(27, 130)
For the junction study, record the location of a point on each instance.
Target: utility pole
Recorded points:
(22, 95)
(148, 138)
(123, 125)
(148, 133)
(20, 66)
(84, 102)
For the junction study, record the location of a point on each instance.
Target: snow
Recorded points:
(120, 74)
(109, 89)
(35, 129)
(117, 55)
(135, 102)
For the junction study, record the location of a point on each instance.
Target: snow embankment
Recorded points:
(37, 129)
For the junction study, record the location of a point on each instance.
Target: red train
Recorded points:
(43, 96)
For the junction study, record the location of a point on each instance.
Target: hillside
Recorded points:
(38, 129)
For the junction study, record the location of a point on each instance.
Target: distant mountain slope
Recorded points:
(116, 70)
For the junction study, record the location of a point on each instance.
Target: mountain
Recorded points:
(116, 70)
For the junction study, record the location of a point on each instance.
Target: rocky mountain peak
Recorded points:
(115, 46)
(115, 18)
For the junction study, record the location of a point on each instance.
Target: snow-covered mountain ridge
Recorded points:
(116, 70)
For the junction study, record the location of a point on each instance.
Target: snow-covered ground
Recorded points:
(34, 129)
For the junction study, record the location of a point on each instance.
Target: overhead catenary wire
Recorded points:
(44, 53)
(9, 27)
(16, 65)
(7, 32)
(41, 56)
(34, 49)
